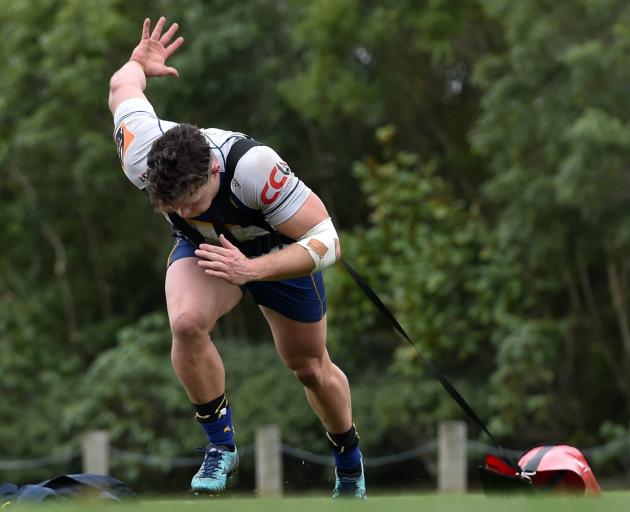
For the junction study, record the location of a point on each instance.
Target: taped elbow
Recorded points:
(337, 250)
(322, 244)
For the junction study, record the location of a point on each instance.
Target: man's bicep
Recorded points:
(311, 213)
(264, 182)
(313, 229)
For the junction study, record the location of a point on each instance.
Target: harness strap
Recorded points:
(437, 373)
(238, 149)
(186, 230)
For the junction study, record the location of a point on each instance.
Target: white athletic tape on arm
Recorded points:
(320, 244)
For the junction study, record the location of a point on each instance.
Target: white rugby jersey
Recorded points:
(262, 180)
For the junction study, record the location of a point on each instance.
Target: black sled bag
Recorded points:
(64, 487)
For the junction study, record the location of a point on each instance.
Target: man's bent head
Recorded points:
(178, 165)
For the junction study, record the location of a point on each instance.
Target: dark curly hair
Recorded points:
(178, 164)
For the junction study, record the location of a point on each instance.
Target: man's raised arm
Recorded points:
(147, 59)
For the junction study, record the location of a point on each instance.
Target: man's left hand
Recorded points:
(225, 262)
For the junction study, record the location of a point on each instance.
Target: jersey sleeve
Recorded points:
(136, 127)
(263, 181)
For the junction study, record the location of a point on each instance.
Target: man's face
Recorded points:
(193, 205)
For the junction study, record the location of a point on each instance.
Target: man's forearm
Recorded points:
(292, 261)
(129, 81)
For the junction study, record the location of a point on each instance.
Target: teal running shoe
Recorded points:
(218, 464)
(350, 485)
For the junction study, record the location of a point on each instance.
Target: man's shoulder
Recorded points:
(221, 139)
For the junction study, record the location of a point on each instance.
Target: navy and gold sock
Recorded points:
(216, 419)
(345, 447)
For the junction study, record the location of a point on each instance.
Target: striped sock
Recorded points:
(216, 419)
(345, 448)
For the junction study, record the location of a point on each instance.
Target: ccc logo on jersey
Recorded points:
(277, 178)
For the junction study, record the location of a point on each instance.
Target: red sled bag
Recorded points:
(550, 468)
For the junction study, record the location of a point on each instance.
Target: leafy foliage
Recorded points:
(474, 154)
(554, 131)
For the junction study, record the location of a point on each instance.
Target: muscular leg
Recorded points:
(195, 302)
(302, 347)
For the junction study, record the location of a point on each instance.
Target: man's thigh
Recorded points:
(298, 343)
(301, 298)
(295, 309)
(189, 291)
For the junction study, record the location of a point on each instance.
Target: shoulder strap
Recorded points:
(186, 229)
(238, 149)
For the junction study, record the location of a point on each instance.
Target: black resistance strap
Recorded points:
(437, 373)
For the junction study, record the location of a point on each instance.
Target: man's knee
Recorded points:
(311, 375)
(189, 326)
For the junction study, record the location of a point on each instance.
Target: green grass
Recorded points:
(610, 502)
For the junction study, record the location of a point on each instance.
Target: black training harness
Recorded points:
(225, 210)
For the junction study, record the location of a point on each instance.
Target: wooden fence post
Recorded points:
(452, 463)
(269, 480)
(95, 450)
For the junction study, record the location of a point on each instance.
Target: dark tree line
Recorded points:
(474, 155)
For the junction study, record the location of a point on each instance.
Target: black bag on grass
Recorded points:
(64, 487)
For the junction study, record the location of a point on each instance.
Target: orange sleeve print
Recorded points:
(124, 138)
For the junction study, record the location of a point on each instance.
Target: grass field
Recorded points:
(610, 502)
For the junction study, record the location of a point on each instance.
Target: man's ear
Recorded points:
(215, 166)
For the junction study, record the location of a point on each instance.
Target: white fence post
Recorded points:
(269, 461)
(95, 449)
(452, 471)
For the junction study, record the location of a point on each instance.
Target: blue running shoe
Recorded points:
(350, 486)
(218, 464)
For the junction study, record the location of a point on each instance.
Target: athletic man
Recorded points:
(262, 230)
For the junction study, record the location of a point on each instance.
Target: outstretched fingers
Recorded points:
(157, 31)
(168, 35)
(145, 28)
(172, 71)
(172, 48)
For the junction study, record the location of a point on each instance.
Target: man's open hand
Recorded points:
(225, 262)
(153, 51)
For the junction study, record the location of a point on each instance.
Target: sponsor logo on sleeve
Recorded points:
(277, 178)
(283, 168)
(124, 138)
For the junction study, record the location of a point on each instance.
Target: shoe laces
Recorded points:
(347, 485)
(212, 461)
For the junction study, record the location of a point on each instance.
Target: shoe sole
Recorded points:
(214, 494)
